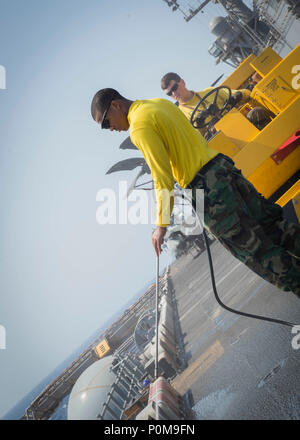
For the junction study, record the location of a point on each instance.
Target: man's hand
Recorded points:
(158, 238)
(235, 99)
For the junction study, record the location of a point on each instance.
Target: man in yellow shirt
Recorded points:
(249, 226)
(174, 86)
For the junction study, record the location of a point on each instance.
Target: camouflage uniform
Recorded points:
(248, 225)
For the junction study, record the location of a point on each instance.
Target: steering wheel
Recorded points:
(198, 119)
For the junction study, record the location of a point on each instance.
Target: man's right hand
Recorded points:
(158, 238)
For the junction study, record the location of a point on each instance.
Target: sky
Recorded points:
(63, 274)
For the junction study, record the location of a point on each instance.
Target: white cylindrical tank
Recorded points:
(91, 390)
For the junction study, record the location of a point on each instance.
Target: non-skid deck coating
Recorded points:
(237, 367)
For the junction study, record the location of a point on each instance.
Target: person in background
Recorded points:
(174, 86)
(253, 80)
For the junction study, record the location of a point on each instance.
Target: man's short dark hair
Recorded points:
(102, 99)
(167, 78)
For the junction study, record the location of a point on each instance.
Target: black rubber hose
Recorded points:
(263, 318)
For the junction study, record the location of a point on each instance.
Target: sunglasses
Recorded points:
(104, 122)
(175, 87)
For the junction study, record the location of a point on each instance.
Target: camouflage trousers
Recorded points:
(249, 226)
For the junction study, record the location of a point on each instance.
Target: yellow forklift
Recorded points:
(262, 136)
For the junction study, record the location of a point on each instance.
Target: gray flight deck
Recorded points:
(236, 367)
(231, 367)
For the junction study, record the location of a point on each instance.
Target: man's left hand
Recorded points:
(158, 238)
(236, 98)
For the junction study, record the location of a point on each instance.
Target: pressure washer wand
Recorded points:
(156, 334)
(156, 317)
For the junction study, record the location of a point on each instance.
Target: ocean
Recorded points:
(18, 410)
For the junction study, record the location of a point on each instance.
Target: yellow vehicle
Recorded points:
(268, 153)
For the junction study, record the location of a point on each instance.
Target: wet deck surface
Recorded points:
(237, 367)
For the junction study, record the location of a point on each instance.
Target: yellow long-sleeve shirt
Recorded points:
(172, 148)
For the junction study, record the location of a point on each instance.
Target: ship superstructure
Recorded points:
(246, 27)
